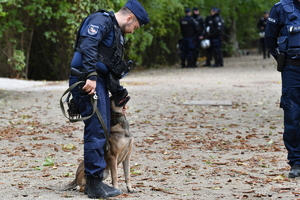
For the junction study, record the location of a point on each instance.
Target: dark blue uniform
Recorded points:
(188, 27)
(214, 32)
(99, 54)
(200, 33)
(261, 26)
(277, 36)
(97, 30)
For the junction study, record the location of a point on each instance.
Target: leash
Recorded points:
(94, 99)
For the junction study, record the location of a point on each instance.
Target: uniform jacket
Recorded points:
(95, 32)
(277, 26)
(262, 23)
(214, 26)
(188, 27)
(200, 24)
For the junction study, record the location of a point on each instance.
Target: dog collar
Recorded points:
(117, 120)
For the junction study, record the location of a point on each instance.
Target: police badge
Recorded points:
(93, 29)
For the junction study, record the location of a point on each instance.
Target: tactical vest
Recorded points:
(109, 56)
(290, 43)
(188, 27)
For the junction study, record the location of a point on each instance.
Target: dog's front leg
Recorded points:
(126, 169)
(113, 171)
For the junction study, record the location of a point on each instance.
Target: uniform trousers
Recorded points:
(290, 102)
(94, 136)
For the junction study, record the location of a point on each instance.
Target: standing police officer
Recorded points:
(261, 26)
(282, 37)
(188, 27)
(99, 51)
(214, 32)
(200, 32)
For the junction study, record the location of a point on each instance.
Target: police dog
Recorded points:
(120, 141)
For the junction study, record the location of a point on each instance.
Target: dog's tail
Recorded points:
(69, 186)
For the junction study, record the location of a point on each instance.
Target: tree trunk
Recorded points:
(28, 53)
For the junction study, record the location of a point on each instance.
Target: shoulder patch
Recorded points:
(272, 20)
(93, 29)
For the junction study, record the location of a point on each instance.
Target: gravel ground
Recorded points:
(181, 151)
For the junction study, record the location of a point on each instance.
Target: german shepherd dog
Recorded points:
(120, 141)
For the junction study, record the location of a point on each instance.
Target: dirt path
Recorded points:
(181, 151)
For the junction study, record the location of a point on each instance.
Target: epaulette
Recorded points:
(105, 14)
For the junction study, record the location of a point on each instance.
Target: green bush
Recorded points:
(37, 36)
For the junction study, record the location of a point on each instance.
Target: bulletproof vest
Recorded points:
(216, 24)
(187, 26)
(108, 55)
(111, 55)
(290, 43)
(264, 22)
(200, 22)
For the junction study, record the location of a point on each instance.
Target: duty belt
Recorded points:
(292, 62)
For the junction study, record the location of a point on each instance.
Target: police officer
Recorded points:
(261, 26)
(99, 50)
(214, 32)
(188, 27)
(200, 33)
(282, 37)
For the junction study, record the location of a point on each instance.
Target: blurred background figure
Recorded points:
(200, 33)
(261, 26)
(214, 28)
(188, 27)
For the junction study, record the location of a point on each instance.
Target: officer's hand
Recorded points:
(90, 86)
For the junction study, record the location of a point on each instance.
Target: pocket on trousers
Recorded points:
(93, 151)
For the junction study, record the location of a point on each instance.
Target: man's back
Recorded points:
(188, 27)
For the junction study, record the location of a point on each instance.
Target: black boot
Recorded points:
(183, 63)
(95, 188)
(190, 63)
(295, 171)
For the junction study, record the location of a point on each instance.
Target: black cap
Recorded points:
(216, 9)
(139, 11)
(187, 10)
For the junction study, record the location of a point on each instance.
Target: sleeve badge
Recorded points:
(93, 29)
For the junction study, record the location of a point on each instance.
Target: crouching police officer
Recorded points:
(99, 54)
(282, 37)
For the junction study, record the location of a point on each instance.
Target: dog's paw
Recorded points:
(131, 190)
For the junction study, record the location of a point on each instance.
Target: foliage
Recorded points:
(37, 36)
(241, 18)
(18, 59)
(48, 162)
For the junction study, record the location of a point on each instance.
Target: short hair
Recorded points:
(126, 11)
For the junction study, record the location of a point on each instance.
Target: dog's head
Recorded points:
(119, 100)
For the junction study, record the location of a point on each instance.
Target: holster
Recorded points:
(280, 61)
(112, 83)
(81, 77)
